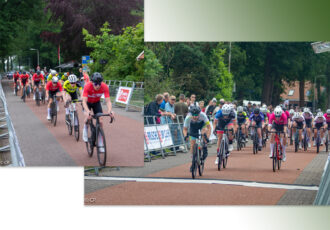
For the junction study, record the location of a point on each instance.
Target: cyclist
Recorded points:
(196, 121)
(327, 118)
(24, 81)
(308, 119)
(15, 79)
(51, 75)
(70, 87)
(37, 77)
(319, 122)
(265, 112)
(64, 77)
(91, 100)
(52, 88)
(258, 120)
(298, 121)
(224, 118)
(242, 120)
(278, 122)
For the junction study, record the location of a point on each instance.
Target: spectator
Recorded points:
(211, 108)
(187, 101)
(181, 108)
(153, 110)
(166, 96)
(193, 101)
(201, 105)
(169, 109)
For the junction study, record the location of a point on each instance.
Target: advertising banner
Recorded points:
(165, 136)
(123, 95)
(151, 138)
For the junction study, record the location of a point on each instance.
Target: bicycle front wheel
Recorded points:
(274, 157)
(101, 147)
(200, 162)
(194, 162)
(54, 113)
(91, 140)
(76, 126)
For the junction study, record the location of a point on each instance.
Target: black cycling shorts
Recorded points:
(97, 107)
(52, 93)
(278, 128)
(258, 123)
(73, 95)
(222, 124)
(318, 125)
(24, 81)
(308, 123)
(328, 125)
(36, 83)
(299, 125)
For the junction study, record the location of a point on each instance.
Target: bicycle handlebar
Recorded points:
(95, 116)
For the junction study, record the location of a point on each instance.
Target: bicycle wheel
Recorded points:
(327, 144)
(224, 161)
(274, 157)
(36, 96)
(91, 140)
(296, 142)
(76, 126)
(43, 96)
(279, 160)
(69, 125)
(101, 147)
(220, 155)
(200, 162)
(24, 94)
(194, 162)
(317, 144)
(54, 113)
(291, 141)
(305, 141)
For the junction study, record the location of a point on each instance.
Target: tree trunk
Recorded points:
(301, 93)
(266, 91)
(318, 94)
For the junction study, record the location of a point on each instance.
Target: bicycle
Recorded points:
(291, 140)
(223, 151)
(197, 158)
(43, 95)
(305, 140)
(264, 137)
(53, 110)
(37, 96)
(16, 88)
(96, 139)
(296, 139)
(24, 93)
(255, 139)
(318, 139)
(277, 151)
(239, 138)
(73, 121)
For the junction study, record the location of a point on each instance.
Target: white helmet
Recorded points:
(240, 109)
(231, 106)
(54, 79)
(226, 109)
(278, 112)
(319, 114)
(263, 110)
(306, 110)
(292, 112)
(328, 111)
(264, 105)
(53, 72)
(72, 78)
(295, 115)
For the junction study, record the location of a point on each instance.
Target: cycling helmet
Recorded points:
(72, 78)
(54, 79)
(278, 112)
(65, 74)
(306, 110)
(245, 109)
(53, 72)
(296, 115)
(231, 106)
(263, 110)
(24, 72)
(195, 110)
(240, 109)
(97, 78)
(38, 72)
(291, 111)
(328, 111)
(319, 114)
(283, 107)
(264, 105)
(226, 110)
(318, 110)
(256, 111)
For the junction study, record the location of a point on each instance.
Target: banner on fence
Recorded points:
(151, 137)
(165, 136)
(123, 95)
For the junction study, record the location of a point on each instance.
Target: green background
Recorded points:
(237, 20)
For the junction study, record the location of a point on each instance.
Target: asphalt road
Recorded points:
(247, 180)
(42, 144)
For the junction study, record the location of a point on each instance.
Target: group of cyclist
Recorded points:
(280, 120)
(69, 87)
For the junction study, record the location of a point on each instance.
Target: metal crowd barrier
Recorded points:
(323, 194)
(17, 158)
(175, 127)
(136, 101)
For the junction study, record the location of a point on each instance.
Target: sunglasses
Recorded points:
(97, 83)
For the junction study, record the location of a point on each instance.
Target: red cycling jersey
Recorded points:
(37, 77)
(93, 95)
(52, 87)
(283, 120)
(24, 76)
(16, 76)
(287, 114)
(327, 117)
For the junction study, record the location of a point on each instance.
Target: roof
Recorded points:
(294, 88)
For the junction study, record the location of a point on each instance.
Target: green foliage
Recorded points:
(120, 52)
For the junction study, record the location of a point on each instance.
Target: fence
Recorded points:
(17, 158)
(136, 100)
(323, 194)
(166, 138)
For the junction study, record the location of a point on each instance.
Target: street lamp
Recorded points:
(37, 55)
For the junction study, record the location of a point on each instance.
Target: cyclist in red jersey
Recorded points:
(52, 88)
(91, 100)
(278, 121)
(15, 78)
(36, 79)
(24, 78)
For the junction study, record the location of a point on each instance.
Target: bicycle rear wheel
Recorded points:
(101, 147)
(91, 140)
(305, 141)
(76, 126)
(24, 94)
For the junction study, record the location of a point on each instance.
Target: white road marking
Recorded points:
(207, 181)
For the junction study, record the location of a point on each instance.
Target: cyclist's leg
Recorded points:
(315, 135)
(205, 152)
(259, 125)
(230, 126)
(67, 98)
(50, 95)
(192, 143)
(272, 139)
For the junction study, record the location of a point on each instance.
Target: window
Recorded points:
(291, 92)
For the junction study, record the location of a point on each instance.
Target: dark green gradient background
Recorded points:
(237, 20)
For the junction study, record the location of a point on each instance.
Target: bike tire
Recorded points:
(237, 141)
(327, 144)
(200, 163)
(24, 94)
(54, 114)
(194, 161)
(274, 157)
(68, 124)
(91, 140)
(76, 126)
(305, 142)
(101, 156)
(317, 145)
(279, 159)
(296, 142)
(36, 95)
(220, 155)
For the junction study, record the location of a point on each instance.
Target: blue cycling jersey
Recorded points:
(257, 118)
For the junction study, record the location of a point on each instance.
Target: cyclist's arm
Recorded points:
(109, 105)
(185, 131)
(208, 132)
(84, 102)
